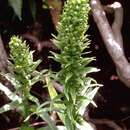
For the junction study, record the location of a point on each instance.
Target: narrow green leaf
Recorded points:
(17, 7)
(68, 123)
(91, 70)
(92, 93)
(9, 94)
(10, 77)
(33, 99)
(34, 64)
(32, 5)
(44, 128)
(45, 116)
(27, 128)
(68, 76)
(9, 106)
(55, 56)
(73, 95)
(85, 61)
(89, 98)
(38, 76)
(53, 94)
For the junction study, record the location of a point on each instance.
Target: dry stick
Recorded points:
(117, 9)
(112, 37)
(3, 57)
(58, 86)
(118, 21)
(39, 44)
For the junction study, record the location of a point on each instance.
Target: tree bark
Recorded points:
(112, 37)
(3, 57)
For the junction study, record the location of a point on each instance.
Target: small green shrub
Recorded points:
(79, 88)
(23, 75)
(17, 6)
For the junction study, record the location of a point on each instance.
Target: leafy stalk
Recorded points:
(71, 40)
(23, 68)
(23, 75)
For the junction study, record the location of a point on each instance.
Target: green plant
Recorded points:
(23, 75)
(79, 88)
(17, 6)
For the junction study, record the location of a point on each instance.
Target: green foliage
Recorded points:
(55, 97)
(17, 6)
(79, 88)
(23, 75)
(26, 128)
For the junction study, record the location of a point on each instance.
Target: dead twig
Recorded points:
(3, 57)
(39, 44)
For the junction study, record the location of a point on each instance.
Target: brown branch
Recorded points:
(57, 86)
(117, 9)
(112, 37)
(39, 44)
(118, 21)
(56, 7)
(3, 57)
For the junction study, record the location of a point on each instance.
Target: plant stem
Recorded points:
(25, 105)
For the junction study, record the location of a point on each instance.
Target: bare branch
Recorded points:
(112, 36)
(58, 87)
(118, 21)
(39, 44)
(3, 57)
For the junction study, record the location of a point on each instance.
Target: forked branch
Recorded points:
(112, 37)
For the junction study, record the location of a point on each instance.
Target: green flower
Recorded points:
(72, 41)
